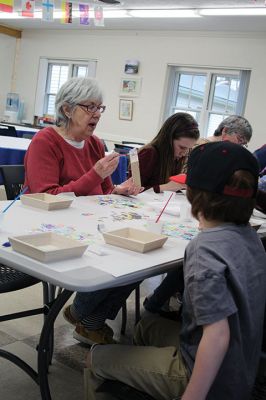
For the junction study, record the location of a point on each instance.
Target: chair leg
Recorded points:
(137, 304)
(49, 296)
(124, 318)
(137, 311)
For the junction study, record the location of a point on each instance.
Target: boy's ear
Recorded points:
(201, 220)
(200, 216)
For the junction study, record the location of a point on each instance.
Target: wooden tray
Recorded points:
(135, 239)
(255, 224)
(46, 201)
(47, 246)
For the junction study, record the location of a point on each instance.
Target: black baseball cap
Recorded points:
(211, 165)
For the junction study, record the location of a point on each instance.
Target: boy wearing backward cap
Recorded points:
(214, 353)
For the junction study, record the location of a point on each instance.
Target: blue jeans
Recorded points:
(95, 307)
(172, 283)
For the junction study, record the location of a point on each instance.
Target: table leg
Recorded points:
(43, 348)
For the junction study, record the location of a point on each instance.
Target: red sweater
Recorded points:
(54, 166)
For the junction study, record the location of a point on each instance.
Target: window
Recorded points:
(56, 76)
(208, 95)
(52, 75)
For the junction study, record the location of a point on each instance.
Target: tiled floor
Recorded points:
(21, 336)
(66, 373)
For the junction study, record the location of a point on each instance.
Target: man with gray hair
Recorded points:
(235, 129)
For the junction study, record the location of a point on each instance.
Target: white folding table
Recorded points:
(102, 266)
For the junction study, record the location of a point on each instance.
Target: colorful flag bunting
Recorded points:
(84, 14)
(98, 16)
(66, 7)
(27, 8)
(6, 6)
(48, 10)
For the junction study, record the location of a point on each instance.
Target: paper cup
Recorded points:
(185, 212)
(155, 227)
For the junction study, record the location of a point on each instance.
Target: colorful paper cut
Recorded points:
(84, 14)
(68, 231)
(66, 8)
(98, 16)
(179, 230)
(6, 6)
(119, 202)
(48, 10)
(27, 8)
(128, 215)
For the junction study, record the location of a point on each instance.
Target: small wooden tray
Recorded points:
(47, 246)
(255, 224)
(46, 201)
(135, 239)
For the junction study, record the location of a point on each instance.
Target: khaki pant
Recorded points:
(154, 366)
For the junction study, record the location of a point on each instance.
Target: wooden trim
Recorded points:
(10, 31)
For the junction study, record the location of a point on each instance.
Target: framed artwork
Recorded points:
(131, 67)
(125, 109)
(130, 86)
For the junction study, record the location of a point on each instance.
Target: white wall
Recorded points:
(154, 50)
(7, 58)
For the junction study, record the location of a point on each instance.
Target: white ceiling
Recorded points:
(205, 23)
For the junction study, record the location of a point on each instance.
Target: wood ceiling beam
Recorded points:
(10, 31)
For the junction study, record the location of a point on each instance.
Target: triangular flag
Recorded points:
(48, 10)
(98, 16)
(66, 8)
(84, 14)
(27, 8)
(6, 6)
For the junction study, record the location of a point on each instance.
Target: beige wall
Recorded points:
(154, 50)
(7, 58)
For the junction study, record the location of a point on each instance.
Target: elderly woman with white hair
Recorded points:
(69, 158)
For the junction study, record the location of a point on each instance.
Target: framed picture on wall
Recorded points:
(131, 67)
(125, 109)
(130, 86)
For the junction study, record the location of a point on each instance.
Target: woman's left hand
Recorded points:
(128, 188)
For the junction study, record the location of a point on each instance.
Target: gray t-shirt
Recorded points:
(225, 277)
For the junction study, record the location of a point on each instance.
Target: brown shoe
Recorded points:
(99, 336)
(68, 316)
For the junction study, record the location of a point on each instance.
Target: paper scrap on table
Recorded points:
(119, 201)
(180, 230)
(170, 209)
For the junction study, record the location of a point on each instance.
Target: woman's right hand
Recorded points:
(106, 165)
(172, 186)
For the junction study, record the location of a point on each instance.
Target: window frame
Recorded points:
(44, 76)
(174, 73)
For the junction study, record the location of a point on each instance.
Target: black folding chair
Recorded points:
(122, 149)
(13, 179)
(126, 142)
(11, 279)
(7, 130)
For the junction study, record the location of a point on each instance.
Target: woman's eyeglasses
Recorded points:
(92, 108)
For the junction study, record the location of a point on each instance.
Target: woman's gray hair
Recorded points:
(74, 91)
(235, 124)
